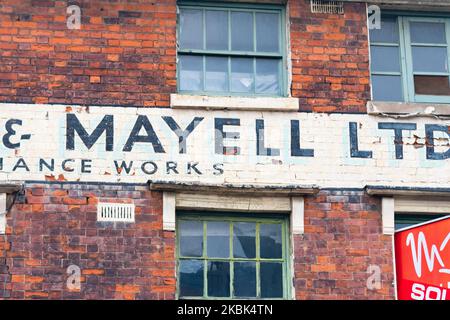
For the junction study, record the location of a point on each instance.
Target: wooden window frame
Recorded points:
(236, 217)
(227, 6)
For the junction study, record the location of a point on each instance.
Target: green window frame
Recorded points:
(404, 220)
(226, 60)
(406, 72)
(204, 261)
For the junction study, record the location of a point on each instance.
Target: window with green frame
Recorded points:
(231, 49)
(410, 58)
(232, 257)
(407, 220)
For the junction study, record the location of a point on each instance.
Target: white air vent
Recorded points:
(324, 6)
(115, 212)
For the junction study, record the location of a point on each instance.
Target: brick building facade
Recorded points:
(123, 62)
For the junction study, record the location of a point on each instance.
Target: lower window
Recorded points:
(404, 220)
(232, 257)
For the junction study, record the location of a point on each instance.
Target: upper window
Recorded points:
(235, 50)
(410, 60)
(232, 257)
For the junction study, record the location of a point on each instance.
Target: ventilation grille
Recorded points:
(323, 6)
(115, 212)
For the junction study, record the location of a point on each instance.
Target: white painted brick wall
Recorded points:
(327, 134)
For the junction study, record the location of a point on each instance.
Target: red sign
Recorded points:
(422, 255)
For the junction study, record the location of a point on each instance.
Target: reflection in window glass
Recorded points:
(388, 33)
(191, 34)
(216, 74)
(242, 31)
(245, 279)
(218, 279)
(271, 280)
(216, 30)
(191, 278)
(387, 88)
(267, 32)
(218, 241)
(191, 73)
(244, 240)
(191, 238)
(385, 59)
(271, 241)
(425, 32)
(267, 76)
(242, 75)
(430, 59)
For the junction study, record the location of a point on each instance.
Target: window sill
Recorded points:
(184, 101)
(408, 108)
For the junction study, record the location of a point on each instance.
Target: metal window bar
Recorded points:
(330, 7)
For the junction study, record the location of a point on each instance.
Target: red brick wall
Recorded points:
(343, 237)
(330, 58)
(54, 226)
(124, 53)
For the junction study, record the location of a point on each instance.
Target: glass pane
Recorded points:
(244, 279)
(191, 278)
(216, 30)
(242, 31)
(191, 73)
(271, 274)
(432, 85)
(191, 238)
(216, 74)
(218, 279)
(270, 236)
(244, 240)
(387, 33)
(191, 35)
(427, 32)
(267, 32)
(241, 74)
(385, 59)
(430, 59)
(267, 76)
(387, 88)
(218, 239)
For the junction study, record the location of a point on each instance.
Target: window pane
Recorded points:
(270, 240)
(432, 85)
(191, 238)
(242, 31)
(241, 74)
(218, 239)
(244, 279)
(387, 88)
(244, 240)
(191, 278)
(191, 73)
(216, 74)
(387, 33)
(191, 35)
(218, 279)
(430, 59)
(426, 32)
(271, 280)
(267, 32)
(267, 75)
(216, 30)
(385, 59)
